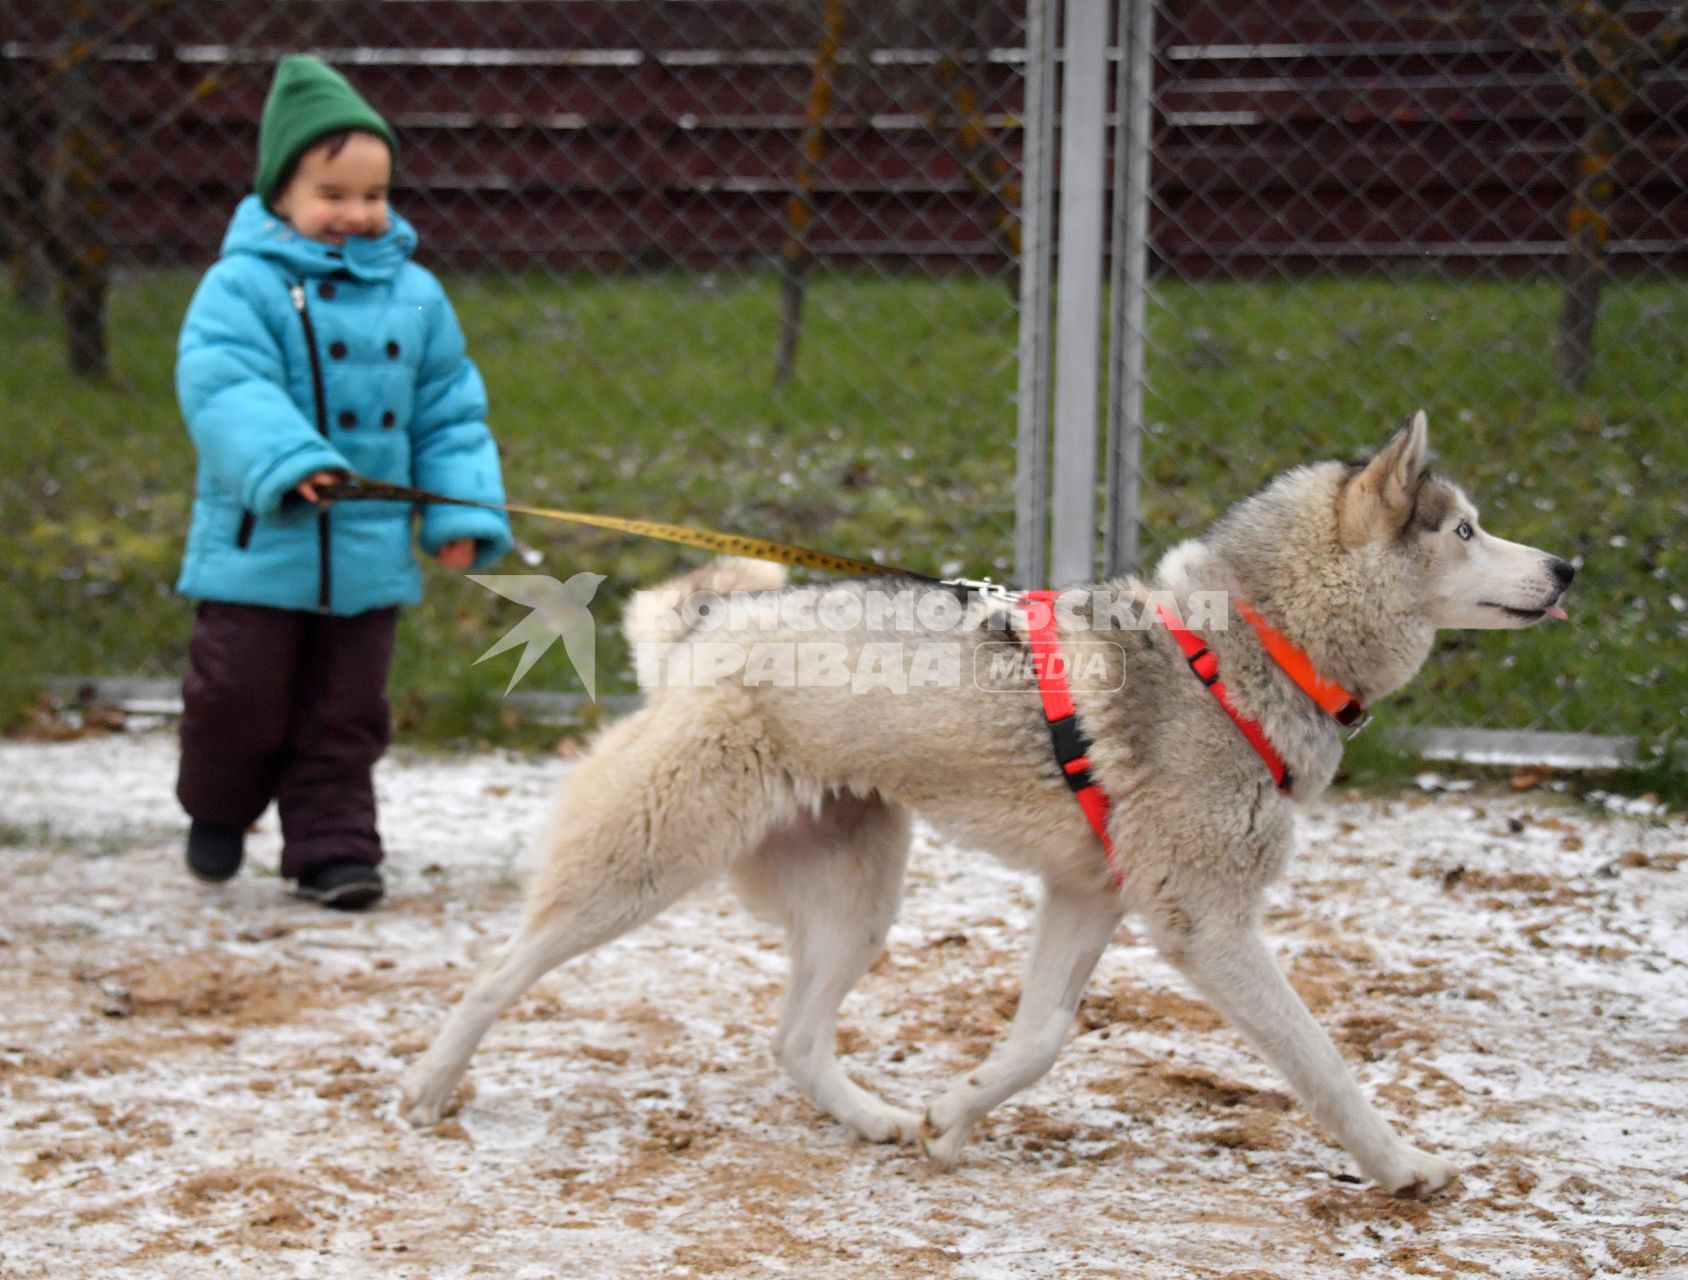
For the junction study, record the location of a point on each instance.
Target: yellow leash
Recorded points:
(355, 487)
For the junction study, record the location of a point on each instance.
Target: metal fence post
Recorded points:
(1128, 286)
(1037, 186)
(1078, 302)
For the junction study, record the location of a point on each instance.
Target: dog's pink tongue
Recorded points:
(1554, 611)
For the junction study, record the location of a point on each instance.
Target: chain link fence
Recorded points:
(752, 265)
(1360, 209)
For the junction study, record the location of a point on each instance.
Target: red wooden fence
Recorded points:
(600, 133)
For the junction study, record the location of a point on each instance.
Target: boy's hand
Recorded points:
(458, 554)
(307, 488)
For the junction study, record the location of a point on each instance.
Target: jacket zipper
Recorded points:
(324, 584)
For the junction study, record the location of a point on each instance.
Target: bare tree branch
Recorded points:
(1608, 62)
(82, 50)
(798, 255)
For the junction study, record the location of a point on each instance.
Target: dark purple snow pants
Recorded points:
(291, 706)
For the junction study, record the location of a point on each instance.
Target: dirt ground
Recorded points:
(202, 1082)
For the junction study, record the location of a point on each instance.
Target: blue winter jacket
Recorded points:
(298, 357)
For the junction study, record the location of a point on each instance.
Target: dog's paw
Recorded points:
(888, 1124)
(425, 1099)
(1416, 1175)
(420, 1115)
(943, 1146)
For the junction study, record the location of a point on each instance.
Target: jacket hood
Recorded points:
(256, 230)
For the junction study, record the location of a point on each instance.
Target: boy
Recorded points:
(315, 347)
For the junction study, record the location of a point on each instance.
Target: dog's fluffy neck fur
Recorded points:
(1350, 619)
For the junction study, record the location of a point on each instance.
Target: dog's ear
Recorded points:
(1379, 500)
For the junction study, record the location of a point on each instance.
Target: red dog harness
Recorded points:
(1332, 698)
(1205, 663)
(1072, 747)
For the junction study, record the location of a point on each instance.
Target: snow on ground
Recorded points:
(201, 1081)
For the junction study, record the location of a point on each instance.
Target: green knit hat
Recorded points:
(308, 98)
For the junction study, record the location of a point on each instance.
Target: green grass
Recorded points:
(651, 397)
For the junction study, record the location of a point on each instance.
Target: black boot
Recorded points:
(345, 886)
(214, 852)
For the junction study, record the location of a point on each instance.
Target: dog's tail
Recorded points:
(657, 619)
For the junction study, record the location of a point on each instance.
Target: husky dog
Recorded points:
(803, 790)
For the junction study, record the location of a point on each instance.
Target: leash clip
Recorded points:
(983, 587)
(1361, 723)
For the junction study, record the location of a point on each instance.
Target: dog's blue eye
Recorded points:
(1463, 529)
